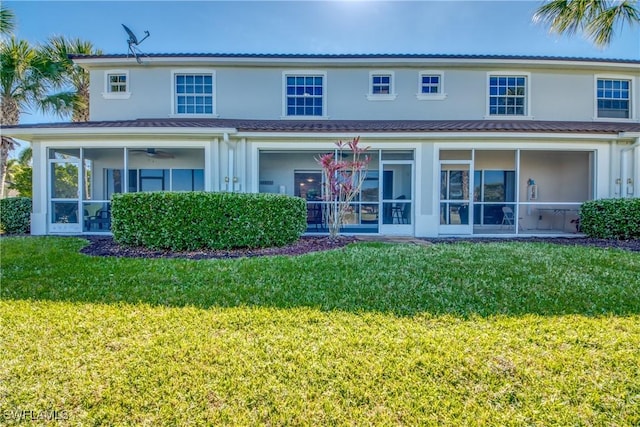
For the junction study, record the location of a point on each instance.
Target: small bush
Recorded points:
(194, 220)
(611, 218)
(15, 215)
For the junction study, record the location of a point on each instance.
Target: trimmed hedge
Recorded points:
(15, 215)
(611, 218)
(195, 220)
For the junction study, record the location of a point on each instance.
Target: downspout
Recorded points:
(225, 139)
(241, 166)
(230, 179)
(624, 172)
(614, 170)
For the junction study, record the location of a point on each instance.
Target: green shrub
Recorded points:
(15, 215)
(611, 218)
(194, 220)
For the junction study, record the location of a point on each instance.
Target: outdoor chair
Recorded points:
(507, 216)
(100, 221)
(399, 211)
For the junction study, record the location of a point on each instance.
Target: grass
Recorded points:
(496, 334)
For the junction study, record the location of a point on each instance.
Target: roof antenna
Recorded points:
(134, 42)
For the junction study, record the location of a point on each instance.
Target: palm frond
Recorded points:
(565, 16)
(7, 21)
(64, 74)
(61, 103)
(597, 19)
(25, 156)
(18, 78)
(602, 28)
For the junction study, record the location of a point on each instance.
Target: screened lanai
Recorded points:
(384, 204)
(513, 191)
(83, 180)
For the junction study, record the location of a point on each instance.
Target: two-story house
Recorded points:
(459, 144)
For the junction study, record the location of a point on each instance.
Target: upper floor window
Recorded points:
(304, 94)
(381, 86)
(193, 93)
(431, 85)
(116, 84)
(507, 95)
(613, 98)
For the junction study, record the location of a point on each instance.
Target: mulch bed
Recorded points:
(105, 246)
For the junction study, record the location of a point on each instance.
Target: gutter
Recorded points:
(428, 136)
(30, 134)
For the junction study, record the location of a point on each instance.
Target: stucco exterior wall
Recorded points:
(257, 93)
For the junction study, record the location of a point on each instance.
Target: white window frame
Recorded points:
(214, 89)
(305, 73)
(527, 93)
(632, 100)
(107, 94)
(392, 95)
(431, 96)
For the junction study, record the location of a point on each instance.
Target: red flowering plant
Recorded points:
(342, 180)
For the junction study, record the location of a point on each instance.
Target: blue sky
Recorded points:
(347, 26)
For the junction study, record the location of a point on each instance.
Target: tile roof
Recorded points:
(371, 126)
(360, 56)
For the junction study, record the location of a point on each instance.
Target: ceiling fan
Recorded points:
(152, 152)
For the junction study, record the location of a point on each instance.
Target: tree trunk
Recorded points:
(81, 110)
(10, 116)
(10, 112)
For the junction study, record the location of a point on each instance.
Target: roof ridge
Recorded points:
(363, 56)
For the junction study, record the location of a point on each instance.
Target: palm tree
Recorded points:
(597, 19)
(7, 25)
(69, 76)
(17, 83)
(21, 85)
(30, 78)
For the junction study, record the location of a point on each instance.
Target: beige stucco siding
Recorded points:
(257, 93)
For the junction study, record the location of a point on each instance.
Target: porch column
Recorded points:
(212, 166)
(630, 170)
(40, 203)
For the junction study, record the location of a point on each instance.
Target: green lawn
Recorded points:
(384, 334)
